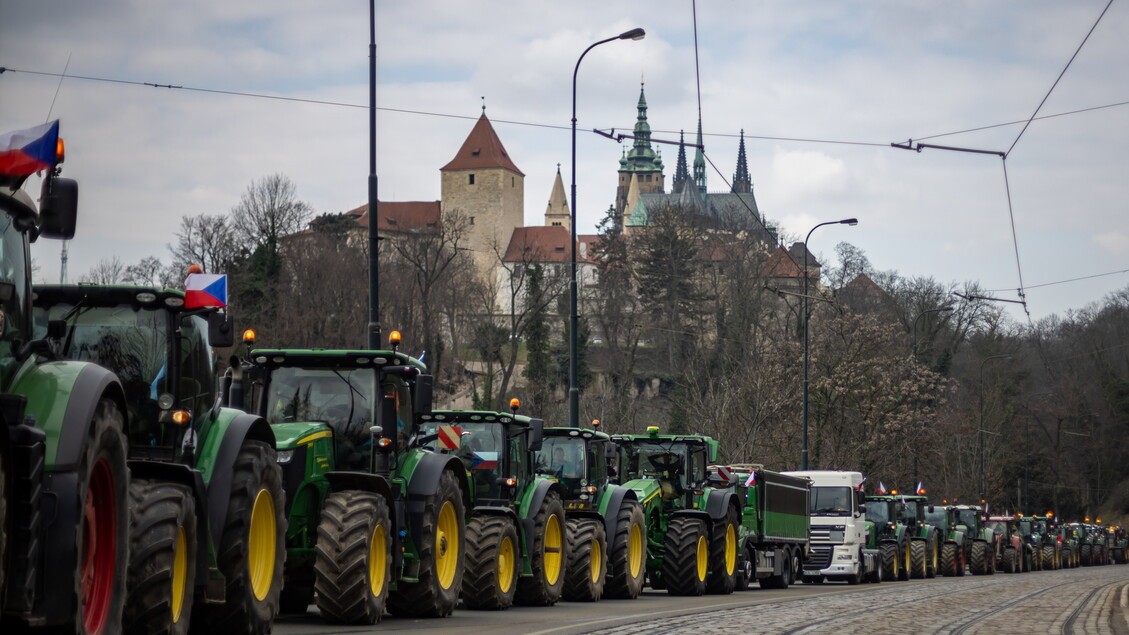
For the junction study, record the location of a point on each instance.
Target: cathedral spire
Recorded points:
(700, 162)
(681, 172)
(742, 182)
(557, 213)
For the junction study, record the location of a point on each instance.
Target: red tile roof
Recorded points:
(781, 265)
(409, 216)
(482, 149)
(539, 244)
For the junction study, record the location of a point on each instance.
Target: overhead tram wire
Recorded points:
(1050, 284)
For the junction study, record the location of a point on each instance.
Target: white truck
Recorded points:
(839, 530)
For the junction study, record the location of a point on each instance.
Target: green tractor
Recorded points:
(692, 524)
(517, 535)
(980, 542)
(890, 535)
(1070, 540)
(602, 517)
(376, 518)
(1035, 531)
(954, 556)
(206, 495)
(64, 506)
(925, 538)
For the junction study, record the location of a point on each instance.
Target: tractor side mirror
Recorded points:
(422, 397)
(221, 330)
(610, 450)
(536, 434)
(58, 212)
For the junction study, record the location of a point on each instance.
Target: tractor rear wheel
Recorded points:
(627, 554)
(253, 546)
(1049, 557)
(353, 563)
(906, 561)
(492, 563)
(587, 560)
(162, 558)
(436, 591)
(1011, 563)
(933, 559)
(548, 556)
(1086, 550)
(686, 560)
(102, 536)
(950, 559)
(890, 561)
(979, 558)
(722, 577)
(917, 566)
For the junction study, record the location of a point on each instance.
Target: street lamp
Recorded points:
(573, 383)
(1026, 503)
(981, 427)
(942, 309)
(807, 317)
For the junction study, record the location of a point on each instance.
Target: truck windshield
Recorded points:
(831, 501)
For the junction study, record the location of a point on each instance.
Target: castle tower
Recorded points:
(483, 184)
(557, 213)
(641, 161)
(700, 163)
(681, 172)
(742, 182)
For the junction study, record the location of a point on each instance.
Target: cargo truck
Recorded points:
(838, 529)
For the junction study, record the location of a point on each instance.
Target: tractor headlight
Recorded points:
(284, 456)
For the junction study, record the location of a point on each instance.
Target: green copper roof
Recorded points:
(641, 157)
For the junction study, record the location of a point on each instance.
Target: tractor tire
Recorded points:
(686, 559)
(906, 559)
(436, 591)
(492, 563)
(950, 559)
(890, 561)
(353, 557)
(933, 558)
(162, 559)
(724, 547)
(1087, 550)
(5, 492)
(548, 556)
(917, 557)
(627, 555)
(252, 548)
(102, 535)
(979, 559)
(1011, 562)
(1049, 558)
(587, 560)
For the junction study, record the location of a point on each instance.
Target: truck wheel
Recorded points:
(440, 556)
(686, 559)
(745, 572)
(103, 532)
(627, 554)
(1049, 557)
(548, 555)
(890, 568)
(917, 565)
(492, 563)
(253, 547)
(723, 555)
(587, 560)
(162, 558)
(353, 557)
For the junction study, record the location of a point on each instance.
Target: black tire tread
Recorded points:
(535, 590)
(341, 569)
(620, 584)
(481, 588)
(950, 555)
(890, 568)
(583, 534)
(157, 511)
(917, 565)
(425, 597)
(718, 580)
(680, 560)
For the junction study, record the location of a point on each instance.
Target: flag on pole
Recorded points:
(205, 290)
(29, 151)
(881, 487)
(752, 480)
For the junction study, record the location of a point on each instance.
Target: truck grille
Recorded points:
(819, 558)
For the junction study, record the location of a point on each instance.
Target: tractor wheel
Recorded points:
(492, 563)
(979, 558)
(627, 554)
(436, 591)
(933, 559)
(548, 556)
(686, 561)
(722, 577)
(890, 568)
(1049, 557)
(353, 566)
(162, 558)
(102, 536)
(917, 566)
(1086, 550)
(906, 563)
(950, 559)
(587, 560)
(1011, 563)
(252, 549)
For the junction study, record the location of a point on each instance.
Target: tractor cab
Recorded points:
(577, 459)
(677, 462)
(884, 512)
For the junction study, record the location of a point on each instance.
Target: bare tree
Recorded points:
(204, 240)
(106, 271)
(268, 210)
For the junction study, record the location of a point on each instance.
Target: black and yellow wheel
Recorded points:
(352, 570)
(162, 559)
(548, 556)
(686, 556)
(587, 560)
(627, 553)
(723, 554)
(436, 589)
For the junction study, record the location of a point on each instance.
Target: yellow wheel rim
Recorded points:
(730, 550)
(703, 558)
(377, 560)
(635, 551)
(447, 545)
(261, 544)
(179, 574)
(506, 561)
(595, 567)
(553, 549)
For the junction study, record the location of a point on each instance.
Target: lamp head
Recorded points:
(849, 221)
(633, 34)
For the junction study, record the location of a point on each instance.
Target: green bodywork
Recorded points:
(944, 518)
(889, 526)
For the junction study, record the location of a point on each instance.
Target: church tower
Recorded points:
(742, 182)
(641, 163)
(681, 172)
(557, 213)
(700, 163)
(484, 185)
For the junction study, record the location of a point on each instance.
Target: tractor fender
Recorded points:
(423, 483)
(532, 505)
(239, 428)
(616, 498)
(719, 502)
(192, 479)
(364, 481)
(696, 513)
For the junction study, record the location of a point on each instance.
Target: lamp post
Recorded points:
(980, 430)
(573, 318)
(373, 260)
(1026, 503)
(807, 317)
(942, 309)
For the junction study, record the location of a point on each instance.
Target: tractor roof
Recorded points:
(475, 416)
(110, 295)
(583, 433)
(327, 358)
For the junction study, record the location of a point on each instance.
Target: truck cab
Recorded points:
(839, 528)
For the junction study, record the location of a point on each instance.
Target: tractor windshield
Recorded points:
(13, 271)
(967, 517)
(483, 451)
(907, 511)
(563, 458)
(937, 518)
(877, 511)
(831, 501)
(663, 460)
(342, 398)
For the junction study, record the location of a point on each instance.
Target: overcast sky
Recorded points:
(797, 77)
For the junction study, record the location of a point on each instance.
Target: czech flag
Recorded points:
(881, 487)
(205, 290)
(28, 151)
(752, 480)
(484, 461)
